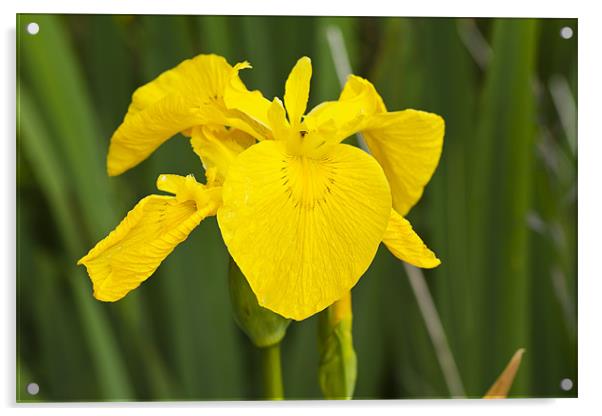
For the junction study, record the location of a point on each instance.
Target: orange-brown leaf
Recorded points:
(499, 389)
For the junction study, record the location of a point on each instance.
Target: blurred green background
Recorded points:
(501, 210)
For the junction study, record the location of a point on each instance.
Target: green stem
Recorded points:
(272, 373)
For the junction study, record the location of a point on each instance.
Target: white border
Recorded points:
(308, 7)
(590, 286)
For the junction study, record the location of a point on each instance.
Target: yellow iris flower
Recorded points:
(301, 213)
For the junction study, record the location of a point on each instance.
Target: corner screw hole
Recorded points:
(566, 32)
(33, 389)
(33, 28)
(566, 384)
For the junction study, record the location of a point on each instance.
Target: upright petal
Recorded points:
(131, 253)
(188, 95)
(218, 147)
(296, 90)
(408, 146)
(303, 230)
(406, 245)
(280, 126)
(251, 106)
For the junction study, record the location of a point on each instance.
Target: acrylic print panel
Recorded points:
(286, 266)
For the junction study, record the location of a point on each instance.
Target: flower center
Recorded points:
(311, 144)
(307, 181)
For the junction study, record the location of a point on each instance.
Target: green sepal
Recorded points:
(338, 363)
(264, 327)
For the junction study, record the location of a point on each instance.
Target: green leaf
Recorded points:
(500, 196)
(37, 146)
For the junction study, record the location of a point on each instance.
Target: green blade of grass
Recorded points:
(554, 220)
(403, 76)
(258, 49)
(104, 56)
(326, 84)
(38, 147)
(447, 81)
(500, 196)
(215, 36)
(49, 66)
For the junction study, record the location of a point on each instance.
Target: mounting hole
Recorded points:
(33, 28)
(566, 32)
(566, 384)
(33, 388)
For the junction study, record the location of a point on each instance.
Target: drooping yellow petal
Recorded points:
(401, 240)
(407, 144)
(204, 76)
(134, 250)
(188, 95)
(152, 229)
(217, 147)
(143, 132)
(296, 90)
(303, 230)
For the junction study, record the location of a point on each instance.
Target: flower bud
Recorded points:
(264, 327)
(338, 362)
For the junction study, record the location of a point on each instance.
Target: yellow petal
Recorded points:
(358, 88)
(296, 90)
(280, 126)
(188, 95)
(502, 385)
(407, 144)
(303, 230)
(217, 147)
(144, 131)
(250, 106)
(203, 77)
(358, 100)
(186, 188)
(343, 118)
(152, 229)
(314, 144)
(406, 245)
